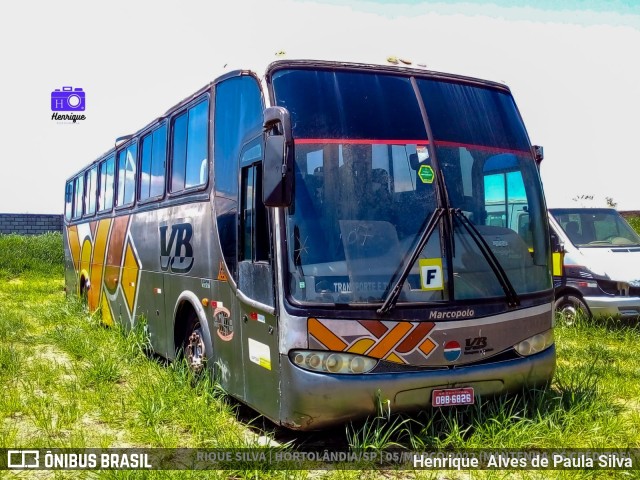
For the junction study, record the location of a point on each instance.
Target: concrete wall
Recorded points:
(29, 224)
(32, 224)
(630, 213)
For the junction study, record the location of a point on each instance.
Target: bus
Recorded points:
(315, 234)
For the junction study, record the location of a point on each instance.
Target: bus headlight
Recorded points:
(332, 362)
(535, 344)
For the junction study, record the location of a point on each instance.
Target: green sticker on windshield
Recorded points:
(431, 274)
(426, 174)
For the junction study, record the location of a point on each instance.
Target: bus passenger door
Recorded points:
(255, 281)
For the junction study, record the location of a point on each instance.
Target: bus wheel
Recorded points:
(571, 307)
(194, 350)
(84, 291)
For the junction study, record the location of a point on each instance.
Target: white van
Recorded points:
(600, 272)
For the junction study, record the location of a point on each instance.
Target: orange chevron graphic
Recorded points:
(115, 251)
(361, 346)
(416, 335)
(130, 270)
(325, 336)
(390, 340)
(105, 255)
(399, 342)
(74, 246)
(101, 236)
(427, 346)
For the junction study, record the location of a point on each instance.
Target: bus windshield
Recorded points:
(366, 185)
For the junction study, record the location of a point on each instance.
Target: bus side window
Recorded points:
(68, 200)
(255, 272)
(261, 225)
(126, 185)
(105, 194)
(79, 196)
(254, 232)
(238, 115)
(152, 164)
(91, 187)
(247, 217)
(189, 166)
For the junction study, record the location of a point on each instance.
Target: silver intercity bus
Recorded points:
(326, 237)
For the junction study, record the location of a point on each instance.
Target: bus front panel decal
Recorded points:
(398, 342)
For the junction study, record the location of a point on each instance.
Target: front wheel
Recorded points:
(571, 307)
(193, 345)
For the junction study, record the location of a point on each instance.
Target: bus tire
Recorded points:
(570, 307)
(84, 291)
(194, 345)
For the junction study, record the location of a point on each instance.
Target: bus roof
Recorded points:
(262, 67)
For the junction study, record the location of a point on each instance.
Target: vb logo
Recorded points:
(476, 345)
(176, 252)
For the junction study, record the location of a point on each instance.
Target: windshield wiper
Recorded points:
(512, 296)
(392, 297)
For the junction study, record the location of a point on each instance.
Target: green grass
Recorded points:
(67, 381)
(39, 254)
(635, 223)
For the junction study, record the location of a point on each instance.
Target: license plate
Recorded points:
(452, 396)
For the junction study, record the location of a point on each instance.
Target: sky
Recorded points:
(572, 66)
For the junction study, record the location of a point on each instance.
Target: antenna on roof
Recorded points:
(122, 139)
(397, 60)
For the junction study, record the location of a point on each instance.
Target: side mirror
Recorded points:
(277, 173)
(557, 255)
(538, 154)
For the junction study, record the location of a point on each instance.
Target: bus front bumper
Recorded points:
(311, 401)
(623, 307)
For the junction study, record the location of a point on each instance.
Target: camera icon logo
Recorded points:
(68, 99)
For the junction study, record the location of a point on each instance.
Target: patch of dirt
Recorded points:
(53, 355)
(99, 428)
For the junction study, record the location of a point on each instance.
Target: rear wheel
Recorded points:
(571, 306)
(193, 344)
(84, 291)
